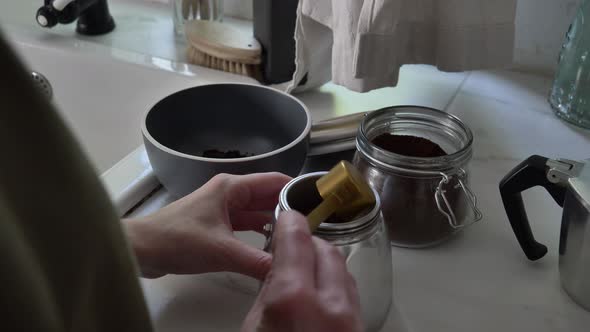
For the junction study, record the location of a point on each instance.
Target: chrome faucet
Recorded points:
(93, 16)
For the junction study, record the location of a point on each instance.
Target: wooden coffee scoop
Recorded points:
(345, 193)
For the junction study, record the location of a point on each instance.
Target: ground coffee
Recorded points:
(411, 146)
(214, 153)
(408, 203)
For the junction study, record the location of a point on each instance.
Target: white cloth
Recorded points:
(361, 44)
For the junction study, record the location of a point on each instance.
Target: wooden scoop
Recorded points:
(345, 193)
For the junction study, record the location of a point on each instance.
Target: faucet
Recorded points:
(93, 16)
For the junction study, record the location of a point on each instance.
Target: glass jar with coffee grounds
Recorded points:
(416, 158)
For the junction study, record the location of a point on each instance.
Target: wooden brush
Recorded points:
(219, 46)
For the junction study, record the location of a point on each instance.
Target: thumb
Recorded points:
(245, 259)
(254, 317)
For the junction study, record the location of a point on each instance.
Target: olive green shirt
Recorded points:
(65, 265)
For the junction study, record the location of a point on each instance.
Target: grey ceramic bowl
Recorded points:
(272, 125)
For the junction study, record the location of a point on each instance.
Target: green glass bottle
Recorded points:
(570, 95)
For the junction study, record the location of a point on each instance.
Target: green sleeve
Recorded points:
(65, 263)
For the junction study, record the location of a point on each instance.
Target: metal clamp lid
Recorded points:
(561, 170)
(574, 175)
(444, 206)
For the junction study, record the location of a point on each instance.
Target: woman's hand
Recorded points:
(308, 287)
(195, 234)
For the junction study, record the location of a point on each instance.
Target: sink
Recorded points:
(103, 92)
(103, 85)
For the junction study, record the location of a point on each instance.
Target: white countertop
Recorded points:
(478, 281)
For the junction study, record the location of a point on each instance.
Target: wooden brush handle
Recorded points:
(223, 42)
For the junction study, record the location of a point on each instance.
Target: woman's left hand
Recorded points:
(195, 234)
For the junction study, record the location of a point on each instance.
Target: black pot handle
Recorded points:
(530, 173)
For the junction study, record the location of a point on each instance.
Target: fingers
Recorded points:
(247, 260)
(254, 191)
(308, 287)
(288, 294)
(252, 321)
(293, 252)
(335, 285)
(250, 220)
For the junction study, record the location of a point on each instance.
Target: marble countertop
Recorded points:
(478, 281)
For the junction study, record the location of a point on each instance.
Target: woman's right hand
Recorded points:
(308, 287)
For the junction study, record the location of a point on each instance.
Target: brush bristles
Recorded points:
(199, 58)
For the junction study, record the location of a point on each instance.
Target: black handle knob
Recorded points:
(47, 16)
(530, 173)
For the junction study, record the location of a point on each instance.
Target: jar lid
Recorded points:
(443, 130)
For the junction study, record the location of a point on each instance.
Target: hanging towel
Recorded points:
(361, 44)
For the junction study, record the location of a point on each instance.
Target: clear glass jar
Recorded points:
(424, 200)
(364, 243)
(570, 95)
(187, 10)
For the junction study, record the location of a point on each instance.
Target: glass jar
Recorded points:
(570, 94)
(364, 243)
(424, 200)
(187, 10)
